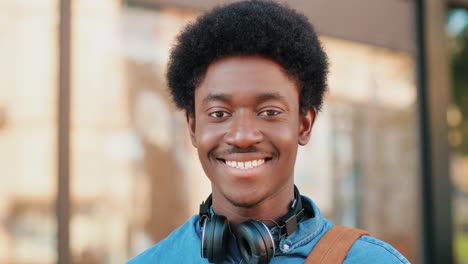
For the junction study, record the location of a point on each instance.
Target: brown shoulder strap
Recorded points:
(333, 247)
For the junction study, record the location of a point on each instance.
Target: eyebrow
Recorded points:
(216, 97)
(227, 98)
(270, 96)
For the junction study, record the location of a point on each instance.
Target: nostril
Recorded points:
(243, 138)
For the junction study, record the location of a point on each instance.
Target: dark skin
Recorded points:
(247, 127)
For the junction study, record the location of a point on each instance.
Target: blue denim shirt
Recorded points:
(183, 245)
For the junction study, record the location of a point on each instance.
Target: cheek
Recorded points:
(286, 131)
(208, 137)
(285, 138)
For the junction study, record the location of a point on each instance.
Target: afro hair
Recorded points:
(258, 28)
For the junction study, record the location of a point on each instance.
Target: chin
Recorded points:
(244, 201)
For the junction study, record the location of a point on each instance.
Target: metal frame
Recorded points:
(458, 3)
(370, 21)
(63, 151)
(433, 99)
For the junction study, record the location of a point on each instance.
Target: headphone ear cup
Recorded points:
(215, 238)
(255, 242)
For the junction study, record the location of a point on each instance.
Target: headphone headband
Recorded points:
(254, 238)
(204, 212)
(287, 223)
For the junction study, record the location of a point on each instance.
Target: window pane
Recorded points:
(28, 70)
(361, 166)
(102, 144)
(131, 182)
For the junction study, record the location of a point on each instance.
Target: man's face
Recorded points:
(247, 127)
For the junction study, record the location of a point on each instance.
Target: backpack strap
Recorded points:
(333, 247)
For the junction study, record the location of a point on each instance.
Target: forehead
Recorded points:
(244, 77)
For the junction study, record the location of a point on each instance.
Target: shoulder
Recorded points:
(181, 245)
(369, 249)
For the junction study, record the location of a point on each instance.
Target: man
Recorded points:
(250, 77)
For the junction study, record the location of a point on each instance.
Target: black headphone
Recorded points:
(254, 239)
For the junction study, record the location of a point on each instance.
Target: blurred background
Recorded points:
(96, 164)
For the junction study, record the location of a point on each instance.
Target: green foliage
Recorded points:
(458, 48)
(461, 247)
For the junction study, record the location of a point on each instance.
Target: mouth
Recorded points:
(245, 165)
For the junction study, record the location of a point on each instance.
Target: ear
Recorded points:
(190, 117)
(306, 122)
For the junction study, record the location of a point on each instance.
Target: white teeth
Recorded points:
(245, 164)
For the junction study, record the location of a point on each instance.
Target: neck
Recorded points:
(272, 207)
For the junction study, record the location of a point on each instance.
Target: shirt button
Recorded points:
(285, 247)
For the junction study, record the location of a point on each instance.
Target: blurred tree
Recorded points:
(457, 27)
(458, 44)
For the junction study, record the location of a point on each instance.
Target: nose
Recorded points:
(243, 131)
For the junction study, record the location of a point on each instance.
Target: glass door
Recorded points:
(28, 141)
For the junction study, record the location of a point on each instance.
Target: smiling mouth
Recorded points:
(245, 165)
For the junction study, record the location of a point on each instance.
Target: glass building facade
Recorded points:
(133, 173)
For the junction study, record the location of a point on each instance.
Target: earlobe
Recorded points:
(190, 117)
(306, 120)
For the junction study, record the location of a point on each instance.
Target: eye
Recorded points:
(269, 112)
(219, 114)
